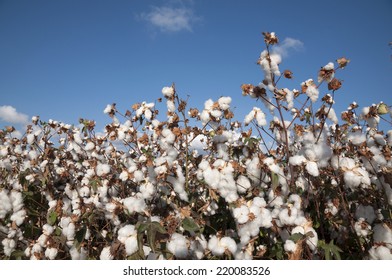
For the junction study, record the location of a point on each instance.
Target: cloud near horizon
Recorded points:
(169, 19)
(10, 115)
(287, 44)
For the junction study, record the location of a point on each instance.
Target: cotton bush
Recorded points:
(197, 184)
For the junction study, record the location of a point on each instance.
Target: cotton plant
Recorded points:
(197, 184)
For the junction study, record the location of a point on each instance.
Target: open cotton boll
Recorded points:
(356, 137)
(178, 245)
(290, 246)
(380, 252)
(249, 117)
(297, 160)
(168, 91)
(312, 238)
(313, 93)
(243, 184)
(224, 102)
(171, 107)
(5, 203)
(312, 168)
(102, 169)
(126, 232)
(18, 217)
(198, 247)
(241, 214)
(135, 204)
(105, 254)
(76, 254)
(8, 246)
(131, 245)
(260, 117)
(51, 253)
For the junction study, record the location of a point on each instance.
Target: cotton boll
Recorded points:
(362, 228)
(288, 215)
(313, 93)
(126, 232)
(147, 190)
(312, 238)
(47, 229)
(249, 117)
(138, 176)
(168, 92)
(8, 246)
(105, 254)
(243, 184)
(229, 244)
(131, 245)
(178, 246)
(312, 168)
(215, 247)
(102, 169)
(18, 217)
(76, 254)
(380, 252)
(135, 204)
(332, 115)
(148, 114)
(290, 246)
(89, 146)
(224, 102)
(357, 137)
(171, 107)
(5, 203)
(198, 247)
(297, 160)
(51, 253)
(241, 214)
(260, 118)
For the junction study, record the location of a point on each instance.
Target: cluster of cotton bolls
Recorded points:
(142, 190)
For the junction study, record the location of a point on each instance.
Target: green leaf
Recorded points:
(142, 227)
(274, 180)
(79, 237)
(330, 250)
(51, 218)
(190, 225)
(158, 227)
(296, 237)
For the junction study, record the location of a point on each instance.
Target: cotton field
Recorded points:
(198, 184)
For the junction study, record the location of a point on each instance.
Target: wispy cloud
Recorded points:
(10, 115)
(169, 19)
(288, 44)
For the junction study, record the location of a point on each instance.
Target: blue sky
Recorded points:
(67, 59)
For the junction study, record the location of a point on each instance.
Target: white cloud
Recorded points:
(287, 44)
(10, 115)
(169, 19)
